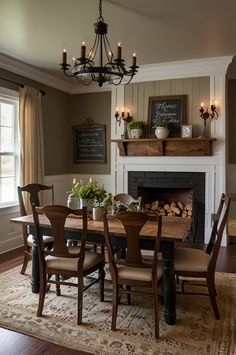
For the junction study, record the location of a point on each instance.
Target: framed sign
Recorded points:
(170, 108)
(89, 141)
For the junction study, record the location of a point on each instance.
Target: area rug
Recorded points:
(196, 330)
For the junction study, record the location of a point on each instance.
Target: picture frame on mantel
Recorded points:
(171, 108)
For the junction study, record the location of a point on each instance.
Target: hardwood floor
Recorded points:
(13, 343)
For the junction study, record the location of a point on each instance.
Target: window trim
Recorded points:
(13, 97)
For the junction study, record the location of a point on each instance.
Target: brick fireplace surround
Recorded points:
(156, 185)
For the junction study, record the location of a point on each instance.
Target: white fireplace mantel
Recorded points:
(214, 166)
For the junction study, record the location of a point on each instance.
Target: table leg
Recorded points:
(169, 287)
(35, 267)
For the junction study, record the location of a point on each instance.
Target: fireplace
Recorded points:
(186, 188)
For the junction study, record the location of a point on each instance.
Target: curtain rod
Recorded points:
(19, 84)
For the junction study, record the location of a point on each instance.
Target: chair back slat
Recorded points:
(219, 227)
(133, 222)
(33, 191)
(216, 220)
(57, 215)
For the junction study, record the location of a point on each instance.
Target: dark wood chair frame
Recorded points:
(33, 190)
(57, 216)
(133, 223)
(213, 247)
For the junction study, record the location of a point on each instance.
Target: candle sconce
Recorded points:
(204, 114)
(123, 117)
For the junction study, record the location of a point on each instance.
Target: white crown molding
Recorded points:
(184, 69)
(171, 70)
(30, 72)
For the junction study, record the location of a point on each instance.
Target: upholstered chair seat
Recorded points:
(191, 259)
(138, 274)
(46, 240)
(71, 264)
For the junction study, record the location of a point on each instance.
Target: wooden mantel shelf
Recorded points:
(165, 147)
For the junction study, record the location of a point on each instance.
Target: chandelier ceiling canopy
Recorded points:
(100, 64)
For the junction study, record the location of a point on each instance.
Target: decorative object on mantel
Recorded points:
(162, 128)
(165, 147)
(126, 118)
(204, 114)
(186, 131)
(107, 67)
(136, 128)
(171, 108)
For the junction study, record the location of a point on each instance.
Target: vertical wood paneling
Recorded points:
(197, 90)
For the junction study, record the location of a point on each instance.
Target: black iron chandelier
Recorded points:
(103, 68)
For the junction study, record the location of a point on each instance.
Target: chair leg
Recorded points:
(80, 300)
(25, 263)
(128, 288)
(212, 294)
(101, 274)
(42, 291)
(114, 306)
(58, 288)
(156, 318)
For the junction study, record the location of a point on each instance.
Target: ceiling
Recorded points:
(36, 31)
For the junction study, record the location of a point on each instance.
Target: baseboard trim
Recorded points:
(12, 253)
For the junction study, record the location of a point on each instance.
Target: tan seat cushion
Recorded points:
(46, 239)
(139, 274)
(191, 260)
(71, 264)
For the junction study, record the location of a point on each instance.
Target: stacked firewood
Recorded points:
(177, 209)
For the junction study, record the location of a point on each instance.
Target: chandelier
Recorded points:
(100, 64)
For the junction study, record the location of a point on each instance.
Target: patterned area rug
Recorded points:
(196, 330)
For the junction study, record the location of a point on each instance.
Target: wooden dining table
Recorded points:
(174, 230)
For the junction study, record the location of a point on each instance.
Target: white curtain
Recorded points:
(31, 137)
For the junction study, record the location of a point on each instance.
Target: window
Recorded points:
(9, 147)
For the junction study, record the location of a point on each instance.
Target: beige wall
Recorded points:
(196, 89)
(231, 121)
(55, 107)
(96, 106)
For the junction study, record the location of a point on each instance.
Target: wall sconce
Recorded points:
(204, 114)
(126, 118)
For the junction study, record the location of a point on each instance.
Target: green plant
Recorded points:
(89, 190)
(162, 122)
(137, 124)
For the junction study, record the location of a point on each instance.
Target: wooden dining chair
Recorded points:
(60, 262)
(32, 191)
(133, 272)
(191, 264)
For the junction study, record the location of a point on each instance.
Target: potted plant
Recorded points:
(136, 128)
(90, 194)
(162, 128)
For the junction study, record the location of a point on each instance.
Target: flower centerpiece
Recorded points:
(91, 194)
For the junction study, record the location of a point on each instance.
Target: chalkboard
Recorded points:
(171, 108)
(89, 143)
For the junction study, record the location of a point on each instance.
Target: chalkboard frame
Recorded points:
(179, 111)
(89, 125)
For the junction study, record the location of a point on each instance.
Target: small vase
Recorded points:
(98, 213)
(73, 202)
(136, 133)
(88, 203)
(161, 132)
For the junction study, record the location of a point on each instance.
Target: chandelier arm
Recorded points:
(108, 50)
